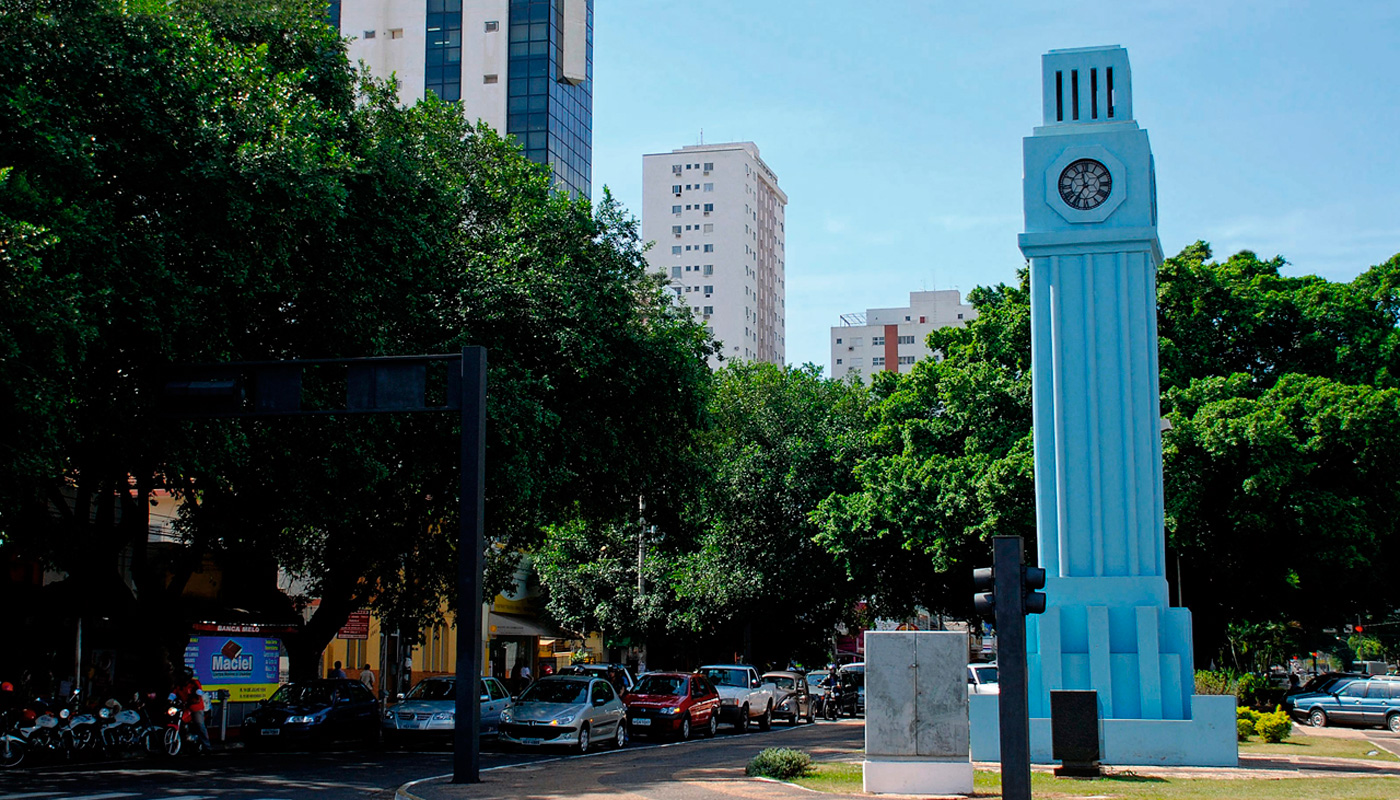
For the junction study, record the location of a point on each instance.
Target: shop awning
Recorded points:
(517, 625)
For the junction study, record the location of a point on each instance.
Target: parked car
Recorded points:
(672, 704)
(572, 710)
(314, 712)
(429, 710)
(601, 671)
(854, 674)
(982, 679)
(793, 701)
(743, 697)
(1359, 702)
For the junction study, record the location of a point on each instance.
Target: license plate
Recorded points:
(532, 741)
(408, 723)
(642, 721)
(272, 732)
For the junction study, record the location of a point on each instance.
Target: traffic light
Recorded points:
(1357, 628)
(984, 602)
(1032, 580)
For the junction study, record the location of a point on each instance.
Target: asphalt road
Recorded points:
(345, 774)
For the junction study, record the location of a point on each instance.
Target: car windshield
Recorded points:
(815, 678)
(566, 691)
(780, 681)
(303, 694)
(669, 685)
(728, 677)
(986, 674)
(433, 690)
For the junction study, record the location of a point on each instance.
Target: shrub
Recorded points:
(1274, 726)
(780, 762)
(1245, 720)
(1217, 682)
(1251, 688)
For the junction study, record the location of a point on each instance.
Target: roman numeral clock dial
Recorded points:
(1085, 184)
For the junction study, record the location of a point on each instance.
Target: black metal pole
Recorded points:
(1013, 708)
(466, 748)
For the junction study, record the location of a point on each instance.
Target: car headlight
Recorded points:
(307, 720)
(506, 715)
(728, 701)
(388, 713)
(444, 715)
(564, 720)
(670, 710)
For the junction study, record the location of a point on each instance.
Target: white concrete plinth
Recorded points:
(918, 776)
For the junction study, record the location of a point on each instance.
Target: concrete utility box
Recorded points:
(916, 730)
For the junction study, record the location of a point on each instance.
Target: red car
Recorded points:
(672, 704)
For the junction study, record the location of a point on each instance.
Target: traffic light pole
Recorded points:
(1013, 708)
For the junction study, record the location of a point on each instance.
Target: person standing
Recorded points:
(367, 678)
(188, 690)
(337, 672)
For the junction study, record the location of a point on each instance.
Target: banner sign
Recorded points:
(245, 667)
(356, 627)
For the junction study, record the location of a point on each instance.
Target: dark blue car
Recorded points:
(1358, 702)
(314, 712)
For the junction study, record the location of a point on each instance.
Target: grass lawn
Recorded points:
(1319, 746)
(846, 779)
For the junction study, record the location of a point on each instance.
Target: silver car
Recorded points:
(572, 710)
(429, 710)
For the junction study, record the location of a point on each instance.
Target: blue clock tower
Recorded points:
(1091, 239)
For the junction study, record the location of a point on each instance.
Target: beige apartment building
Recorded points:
(892, 339)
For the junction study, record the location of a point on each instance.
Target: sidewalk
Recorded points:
(714, 770)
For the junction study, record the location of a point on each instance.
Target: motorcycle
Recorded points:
(178, 733)
(81, 734)
(128, 727)
(13, 746)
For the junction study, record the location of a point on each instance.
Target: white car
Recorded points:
(429, 710)
(743, 698)
(982, 679)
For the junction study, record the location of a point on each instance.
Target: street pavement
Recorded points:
(345, 774)
(709, 769)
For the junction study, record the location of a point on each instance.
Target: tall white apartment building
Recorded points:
(892, 339)
(716, 215)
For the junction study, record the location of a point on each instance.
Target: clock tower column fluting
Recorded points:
(1091, 239)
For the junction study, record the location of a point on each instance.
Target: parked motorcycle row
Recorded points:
(61, 728)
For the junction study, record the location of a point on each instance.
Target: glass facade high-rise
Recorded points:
(525, 67)
(551, 116)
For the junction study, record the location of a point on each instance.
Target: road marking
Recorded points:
(104, 796)
(26, 795)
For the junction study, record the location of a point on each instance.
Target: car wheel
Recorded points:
(621, 738)
(742, 725)
(1318, 718)
(713, 727)
(583, 736)
(765, 722)
(685, 728)
(1393, 723)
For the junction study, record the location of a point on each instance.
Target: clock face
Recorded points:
(1085, 184)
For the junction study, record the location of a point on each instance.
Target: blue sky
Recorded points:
(895, 127)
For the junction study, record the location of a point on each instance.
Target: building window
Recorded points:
(856, 341)
(906, 340)
(396, 33)
(838, 341)
(709, 310)
(960, 316)
(675, 169)
(676, 229)
(368, 35)
(838, 361)
(709, 207)
(492, 26)
(675, 272)
(857, 361)
(877, 361)
(490, 78)
(709, 248)
(675, 209)
(709, 269)
(709, 165)
(906, 359)
(709, 227)
(676, 188)
(709, 290)
(709, 187)
(876, 341)
(675, 250)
